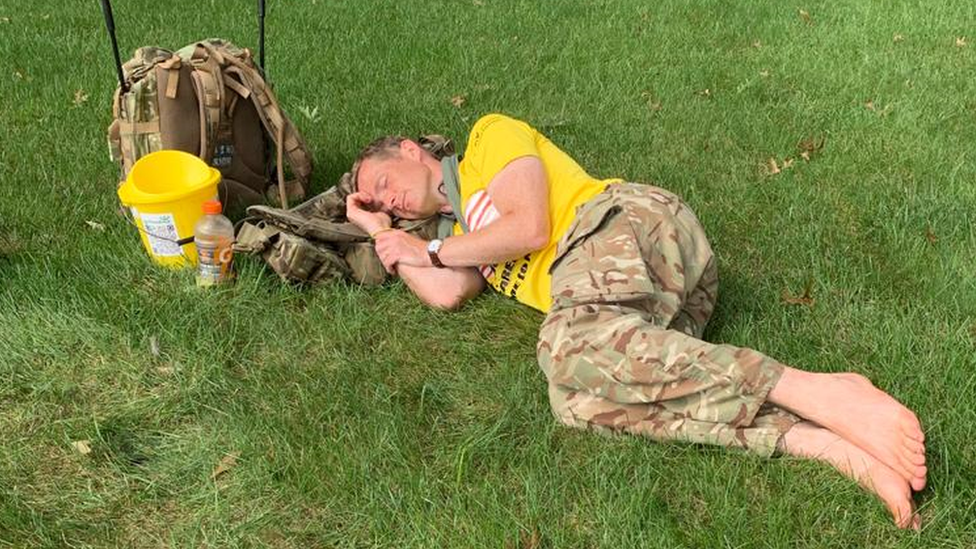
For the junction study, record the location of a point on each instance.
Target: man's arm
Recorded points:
(520, 193)
(447, 288)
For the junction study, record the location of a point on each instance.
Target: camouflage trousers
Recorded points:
(633, 285)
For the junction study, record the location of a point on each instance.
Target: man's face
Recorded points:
(401, 185)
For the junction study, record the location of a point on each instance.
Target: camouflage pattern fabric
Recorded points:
(633, 285)
(314, 242)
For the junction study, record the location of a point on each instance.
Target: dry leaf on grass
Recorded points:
(805, 299)
(652, 102)
(961, 42)
(459, 100)
(4, 19)
(805, 15)
(95, 225)
(154, 346)
(526, 541)
(756, 44)
(19, 74)
(704, 93)
(83, 447)
(898, 38)
(930, 236)
(764, 73)
(226, 464)
(810, 146)
(773, 167)
(883, 112)
(80, 97)
(479, 3)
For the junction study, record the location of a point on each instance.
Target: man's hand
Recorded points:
(398, 247)
(360, 209)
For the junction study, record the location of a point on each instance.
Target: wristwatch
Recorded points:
(433, 247)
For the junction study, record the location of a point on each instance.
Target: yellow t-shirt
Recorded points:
(495, 141)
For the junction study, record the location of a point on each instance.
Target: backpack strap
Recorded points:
(279, 127)
(452, 188)
(208, 80)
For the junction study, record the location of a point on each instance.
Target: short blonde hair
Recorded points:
(382, 148)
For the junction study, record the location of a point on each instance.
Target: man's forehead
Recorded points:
(369, 172)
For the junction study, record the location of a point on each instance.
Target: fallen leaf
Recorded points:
(787, 163)
(95, 225)
(45, 17)
(226, 463)
(459, 100)
(764, 73)
(756, 44)
(652, 102)
(805, 299)
(4, 19)
(772, 167)
(154, 346)
(961, 42)
(869, 105)
(165, 370)
(704, 93)
(930, 236)
(898, 38)
(526, 541)
(83, 447)
(805, 15)
(810, 146)
(479, 3)
(18, 74)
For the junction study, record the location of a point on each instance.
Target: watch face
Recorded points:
(434, 246)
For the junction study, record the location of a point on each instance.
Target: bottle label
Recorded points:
(215, 263)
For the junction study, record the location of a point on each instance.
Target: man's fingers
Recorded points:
(359, 200)
(388, 261)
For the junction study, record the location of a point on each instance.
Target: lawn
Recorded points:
(139, 411)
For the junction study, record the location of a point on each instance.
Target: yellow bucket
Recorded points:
(165, 192)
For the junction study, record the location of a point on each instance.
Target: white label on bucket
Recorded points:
(161, 230)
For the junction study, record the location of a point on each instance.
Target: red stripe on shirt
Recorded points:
(475, 207)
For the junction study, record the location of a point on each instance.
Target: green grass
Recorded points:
(362, 419)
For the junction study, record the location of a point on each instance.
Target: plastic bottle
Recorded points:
(214, 237)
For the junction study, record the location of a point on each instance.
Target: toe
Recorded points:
(918, 484)
(902, 513)
(913, 446)
(912, 428)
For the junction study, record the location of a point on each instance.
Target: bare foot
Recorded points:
(850, 406)
(810, 441)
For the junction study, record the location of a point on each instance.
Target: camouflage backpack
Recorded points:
(314, 242)
(210, 99)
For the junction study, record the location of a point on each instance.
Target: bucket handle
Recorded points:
(127, 215)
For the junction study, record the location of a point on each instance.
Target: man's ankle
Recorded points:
(793, 389)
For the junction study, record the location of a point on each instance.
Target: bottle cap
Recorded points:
(212, 207)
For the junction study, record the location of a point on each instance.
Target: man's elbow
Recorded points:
(448, 302)
(539, 238)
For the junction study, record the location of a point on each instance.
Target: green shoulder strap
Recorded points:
(452, 187)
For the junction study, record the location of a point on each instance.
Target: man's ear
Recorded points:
(411, 149)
